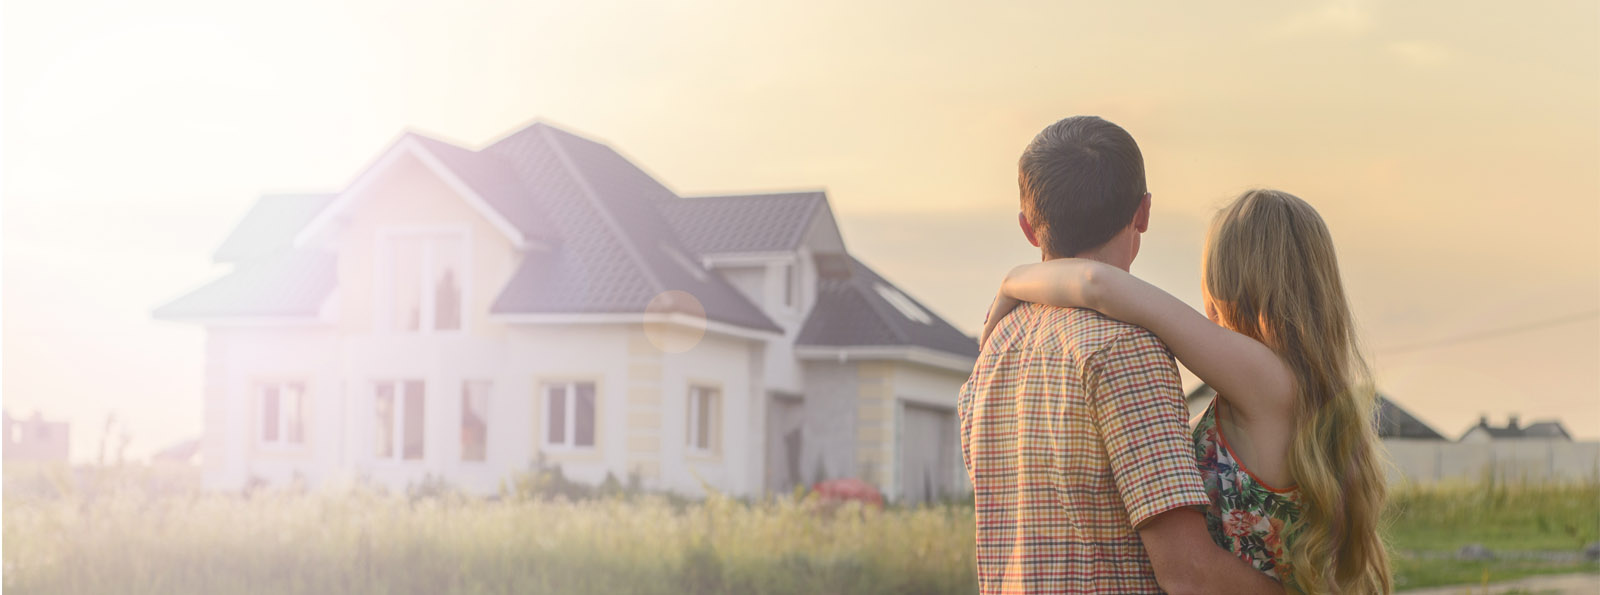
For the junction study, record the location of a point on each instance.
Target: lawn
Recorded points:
(143, 531)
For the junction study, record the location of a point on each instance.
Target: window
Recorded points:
(705, 415)
(424, 276)
(282, 413)
(398, 401)
(474, 419)
(569, 419)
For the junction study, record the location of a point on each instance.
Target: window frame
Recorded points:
(692, 407)
(397, 439)
(384, 314)
(570, 413)
(282, 443)
(488, 398)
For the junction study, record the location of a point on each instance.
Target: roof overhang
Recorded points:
(725, 259)
(672, 318)
(916, 355)
(408, 145)
(250, 321)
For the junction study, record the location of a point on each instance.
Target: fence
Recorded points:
(1431, 461)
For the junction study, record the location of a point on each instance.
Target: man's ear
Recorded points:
(1027, 228)
(1141, 218)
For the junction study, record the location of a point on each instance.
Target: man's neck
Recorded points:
(1114, 255)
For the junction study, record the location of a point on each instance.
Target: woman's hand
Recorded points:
(1002, 305)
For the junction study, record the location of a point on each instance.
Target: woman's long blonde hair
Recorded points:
(1271, 274)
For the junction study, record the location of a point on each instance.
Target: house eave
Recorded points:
(917, 355)
(408, 145)
(246, 321)
(639, 318)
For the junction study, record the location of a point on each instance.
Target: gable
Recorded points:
(409, 154)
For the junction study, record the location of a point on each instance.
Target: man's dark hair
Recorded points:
(1082, 180)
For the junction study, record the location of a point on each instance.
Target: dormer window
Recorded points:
(902, 303)
(422, 277)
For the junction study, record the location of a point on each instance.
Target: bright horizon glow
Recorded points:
(1456, 160)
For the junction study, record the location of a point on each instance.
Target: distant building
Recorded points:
(1513, 430)
(34, 439)
(182, 453)
(1393, 420)
(460, 313)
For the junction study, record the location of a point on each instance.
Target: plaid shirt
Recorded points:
(1073, 432)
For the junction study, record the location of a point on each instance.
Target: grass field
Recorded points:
(139, 531)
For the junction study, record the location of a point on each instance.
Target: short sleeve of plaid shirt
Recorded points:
(1138, 408)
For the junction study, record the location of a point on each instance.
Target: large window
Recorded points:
(705, 415)
(398, 420)
(423, 276)
(474, 419)
(282, 406)
(569, 415)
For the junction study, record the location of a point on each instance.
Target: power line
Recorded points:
(1494, 333)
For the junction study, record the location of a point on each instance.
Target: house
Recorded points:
(1544, 430)
(186, 452)
(1394, 422)
(34, 439)
(459, 313)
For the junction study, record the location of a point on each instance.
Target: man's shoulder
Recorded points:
(1073, 330)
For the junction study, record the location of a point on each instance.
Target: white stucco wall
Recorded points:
(237, 360)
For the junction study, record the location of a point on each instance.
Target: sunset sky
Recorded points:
(1453, 147)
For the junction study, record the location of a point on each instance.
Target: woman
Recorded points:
(1287, 450)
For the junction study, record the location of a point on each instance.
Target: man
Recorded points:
(1073, 425)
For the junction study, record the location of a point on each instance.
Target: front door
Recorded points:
(785, 439)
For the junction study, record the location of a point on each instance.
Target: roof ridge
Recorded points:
(621, 234)
(761, 194)
(810, 218)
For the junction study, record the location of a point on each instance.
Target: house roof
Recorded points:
(1543, 429)
(291, 283)
(743, 223)
(270, 225)
(856, 310)
(607, 249)
(1393, 421)
(615, 250)
(181, 452)
(497, 182)
(1546, 429)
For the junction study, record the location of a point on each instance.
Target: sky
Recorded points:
(1452, 147)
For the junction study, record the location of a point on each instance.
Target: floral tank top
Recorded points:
(1246, 516)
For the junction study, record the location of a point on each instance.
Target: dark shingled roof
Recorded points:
(1393, 421)
(610, 250)
(270, 225)
(1543, 429)
(495, 181)
(742, 223)
(616, 253)
(289, 283)
(852, 312)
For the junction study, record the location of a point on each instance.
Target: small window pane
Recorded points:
(383, 421)
(556, 414)
(474, 420)
(294, 413)
(269, 413)
(583, 409)
(405, 256)
(447, 262)
(702, 437)
(414, 420)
